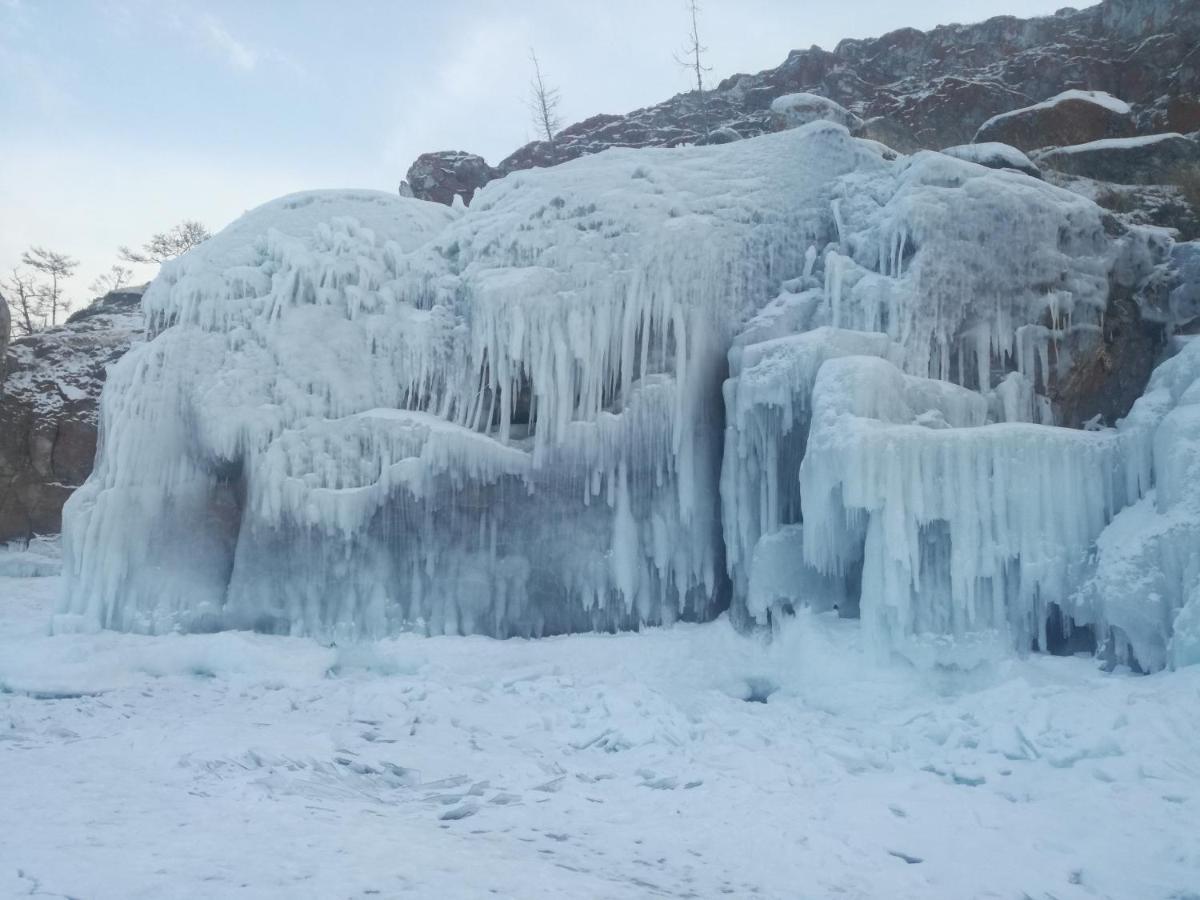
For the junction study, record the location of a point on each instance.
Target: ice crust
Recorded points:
(364, 414)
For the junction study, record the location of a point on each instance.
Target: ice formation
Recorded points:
(363, 414)
(994, 155)
(908, 470)
(1143, 592)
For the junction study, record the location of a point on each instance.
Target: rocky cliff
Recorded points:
(49, 393)
(912, 89)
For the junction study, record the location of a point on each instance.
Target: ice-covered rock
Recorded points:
(1146, 572)
(995, 155)
(793, 110)
(904, 471)
(363, 414)
(722, 135)
(1184, 299)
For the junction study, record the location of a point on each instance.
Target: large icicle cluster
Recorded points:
(364, 414)
(908, 471)
(1144, 589)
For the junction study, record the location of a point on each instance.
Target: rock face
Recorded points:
(922, 89)
(1150, 159)
(48, 410)
(1072, 117)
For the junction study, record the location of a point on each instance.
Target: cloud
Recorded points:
(236, 53)
(472, 99)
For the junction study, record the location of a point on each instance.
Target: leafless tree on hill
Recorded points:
(167, 244)
(26, 302)
(692, 57)
(543, 102)
(57, 267)
(112, 280)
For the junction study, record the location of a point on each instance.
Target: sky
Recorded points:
(120, 118)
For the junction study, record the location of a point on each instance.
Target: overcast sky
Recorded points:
(121, 117)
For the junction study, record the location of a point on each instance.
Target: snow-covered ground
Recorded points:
(592, 766)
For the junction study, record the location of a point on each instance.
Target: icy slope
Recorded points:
(366, 414)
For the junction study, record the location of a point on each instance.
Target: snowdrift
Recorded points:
(363, 414)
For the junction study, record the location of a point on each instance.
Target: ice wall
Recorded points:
(642, 386)
(907, 471)
(363, 414)
(1143, 593)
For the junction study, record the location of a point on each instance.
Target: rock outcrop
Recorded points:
(49, 396)
(919, 89)
(1148, 159)
(447, 174)
(1072, 117)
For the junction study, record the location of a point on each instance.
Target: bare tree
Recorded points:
(167, 244)
(112, 280)
(5, 332)
(58, 267)
(692, 57)
(27, 302)
(543, 102)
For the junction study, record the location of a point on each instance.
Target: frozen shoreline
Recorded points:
(581, 766)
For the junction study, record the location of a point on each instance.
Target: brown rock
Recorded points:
(1150, 159)
(1073, 117)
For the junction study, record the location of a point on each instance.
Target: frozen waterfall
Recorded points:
(645, 386)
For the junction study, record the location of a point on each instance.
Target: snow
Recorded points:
(1125, 143)
(33, 559)
(1099, 98)
(608, 766)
